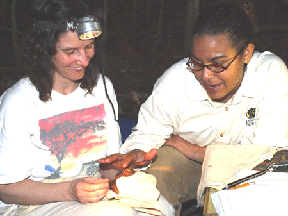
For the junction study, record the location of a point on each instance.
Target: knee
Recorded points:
(115, 208)
(171, 165)
(170, 159)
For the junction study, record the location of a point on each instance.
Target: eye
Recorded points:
(216, 64)
(70, 51)
(197, 63)
(90, 46)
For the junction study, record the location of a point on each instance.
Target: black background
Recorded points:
(138, 49)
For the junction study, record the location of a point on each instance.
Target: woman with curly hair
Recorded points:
(58, 120)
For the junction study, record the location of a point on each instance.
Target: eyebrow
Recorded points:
(73, 48)
(67, 49)
(213, 59)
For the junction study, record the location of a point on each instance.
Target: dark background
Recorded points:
(142, 39)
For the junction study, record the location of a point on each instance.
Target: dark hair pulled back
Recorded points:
(225, 18)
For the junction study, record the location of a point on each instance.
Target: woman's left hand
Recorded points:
(89, 190)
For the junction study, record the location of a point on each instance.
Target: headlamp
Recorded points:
(86, 27)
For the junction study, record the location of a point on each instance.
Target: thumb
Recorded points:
(151, 154)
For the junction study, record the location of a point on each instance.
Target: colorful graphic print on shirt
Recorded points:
(76, 140)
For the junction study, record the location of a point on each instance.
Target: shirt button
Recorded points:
(226, 108)
(221, 135)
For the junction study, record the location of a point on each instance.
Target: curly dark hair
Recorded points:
(226, 18)
(39, 45)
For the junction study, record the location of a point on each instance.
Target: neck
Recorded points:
(65, 88)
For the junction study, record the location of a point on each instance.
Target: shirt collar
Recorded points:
(249, 83)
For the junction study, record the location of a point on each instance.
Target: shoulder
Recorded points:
(266, 72)
(19, 102)
(177, 85)
(104, 85)
(177, 76)
(176, 72)
(267, 67)
(21, 93)
(267, 59)
(102, 82)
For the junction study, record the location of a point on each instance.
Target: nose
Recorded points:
(207, 74)
(83, 58)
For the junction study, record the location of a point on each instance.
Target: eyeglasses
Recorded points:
(216, 68)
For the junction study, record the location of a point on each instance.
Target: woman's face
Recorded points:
(71, 58)
(218, 49)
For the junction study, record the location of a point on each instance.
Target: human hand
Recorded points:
(89, 190)
(133, 159)
(174, 140)
(190, 150)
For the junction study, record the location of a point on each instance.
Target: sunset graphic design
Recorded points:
(75, 139)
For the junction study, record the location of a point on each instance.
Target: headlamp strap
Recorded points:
(48, 25)
(87, 27)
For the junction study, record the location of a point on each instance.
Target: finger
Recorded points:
(91, 194)
(145, 158)
(90, 185)
(109, 159)
(96, 180)
(88, 194)
(95, 187)
(151, 154)
(127, 161)
(92, 197)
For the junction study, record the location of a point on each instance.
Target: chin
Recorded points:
(220, 99)
(79, 80)
(78, 77)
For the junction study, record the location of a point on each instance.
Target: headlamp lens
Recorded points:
(88, 27)
(89, 35)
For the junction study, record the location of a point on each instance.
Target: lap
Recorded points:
(107, 207)
(104, 208)
(177, 176)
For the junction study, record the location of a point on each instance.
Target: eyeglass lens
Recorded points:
(212, 67)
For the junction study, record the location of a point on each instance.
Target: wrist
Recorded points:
(69, 194)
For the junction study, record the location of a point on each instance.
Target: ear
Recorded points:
(248, 52)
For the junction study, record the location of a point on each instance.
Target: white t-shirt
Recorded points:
(256, 114)
(63, 137)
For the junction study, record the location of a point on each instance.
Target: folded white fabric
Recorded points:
(139, 191)
(223, 163)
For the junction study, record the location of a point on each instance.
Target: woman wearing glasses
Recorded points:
(58, 120)
(225, 93)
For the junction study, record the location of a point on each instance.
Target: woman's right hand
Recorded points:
(89, 190)
(133, 159)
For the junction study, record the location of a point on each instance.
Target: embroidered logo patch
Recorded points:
(250, 120)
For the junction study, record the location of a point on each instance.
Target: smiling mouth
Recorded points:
(77, 68)
(212, 88)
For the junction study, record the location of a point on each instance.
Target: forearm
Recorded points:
(191, 151)
(29, 192)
